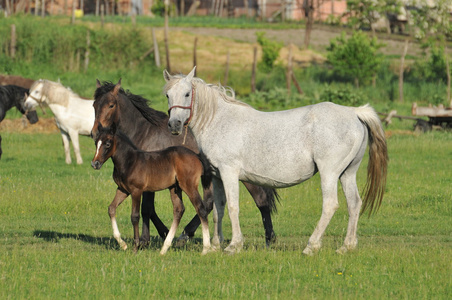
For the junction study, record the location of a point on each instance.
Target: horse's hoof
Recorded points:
(182, 240)
(309, 251)
(233, 249)
(345, 249)
(216, 243)
(123, 245)
(207, 250)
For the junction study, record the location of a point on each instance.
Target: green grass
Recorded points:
(56, 239)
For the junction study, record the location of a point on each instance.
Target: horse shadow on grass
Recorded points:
(109, 243)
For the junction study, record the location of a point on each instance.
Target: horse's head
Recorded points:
(106, 110)
(105, 146)
(180, 94)
(36, 95)
(31, 115)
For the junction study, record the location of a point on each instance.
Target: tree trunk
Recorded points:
(194, 53)
(309, 13)
(156, 50)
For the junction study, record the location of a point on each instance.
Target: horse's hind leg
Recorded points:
(348, 181)
(148, 213)
(119, 198)
(329, 207)
(67, 150)
(261, 198)
(178, 211)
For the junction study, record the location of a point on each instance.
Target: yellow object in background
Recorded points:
(78, 13)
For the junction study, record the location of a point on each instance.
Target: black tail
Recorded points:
(206, 178)
(272, 197)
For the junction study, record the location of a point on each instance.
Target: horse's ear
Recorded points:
(98, 83)
(191, 74)
(117, 87)
(166, 75)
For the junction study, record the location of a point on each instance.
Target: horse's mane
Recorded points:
(55, 91)
(208, 93)
(153, 116)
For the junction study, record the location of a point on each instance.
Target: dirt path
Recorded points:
(320, 37)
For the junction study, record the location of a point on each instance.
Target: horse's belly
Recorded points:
(279, 178)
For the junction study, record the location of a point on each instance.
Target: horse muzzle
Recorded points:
(96, 165)
(175, 126)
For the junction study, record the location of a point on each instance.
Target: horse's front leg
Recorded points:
(135, 218)
(67, 150)
(119, 198)
(75, 144)
(178, 211)
(219, 198)
(148, 213)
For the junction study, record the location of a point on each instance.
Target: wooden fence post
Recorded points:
(168, 65)
(43, 8)
(73, 13)
(253, 72)
(102, 12)
(226, 73)
(88, 44)
(402, 62)
(13, 41)
(289, 70)
(194, 53)
(156, 50)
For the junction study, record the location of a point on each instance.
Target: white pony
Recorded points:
(73, 115)
(281, 149)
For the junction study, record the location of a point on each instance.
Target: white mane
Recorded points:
(206, 97)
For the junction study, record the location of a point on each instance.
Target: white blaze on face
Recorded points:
(99, 144)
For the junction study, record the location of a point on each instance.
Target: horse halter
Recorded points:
(190, 107)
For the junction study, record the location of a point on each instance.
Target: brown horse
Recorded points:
(147, 129)
(135, 171)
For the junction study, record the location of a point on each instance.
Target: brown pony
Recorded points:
(135, 171)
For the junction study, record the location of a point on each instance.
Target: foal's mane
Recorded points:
(207, 94)
(153, 116)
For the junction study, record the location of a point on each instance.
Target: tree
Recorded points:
(431, 25)
(368, 12)
(355, 57)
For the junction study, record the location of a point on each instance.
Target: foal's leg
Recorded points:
(261, 198)
(189, 230)
(196, 200)
(178, 211)
(67, 150)
(330, 205)
(135, 218)
(348, 181)
(75, 144)
(119, 198)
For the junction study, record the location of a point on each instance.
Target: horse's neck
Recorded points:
(124, 151)
(132, 123)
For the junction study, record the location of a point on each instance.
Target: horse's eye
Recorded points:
(167, 96)
(187, 95)
(107, 145)
(112, 105)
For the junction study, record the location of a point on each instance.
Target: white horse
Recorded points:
(281, 149)
(73, 115)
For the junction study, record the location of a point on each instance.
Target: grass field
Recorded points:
(56, 239)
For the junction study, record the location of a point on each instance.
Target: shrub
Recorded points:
(270, 51)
